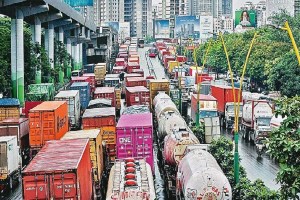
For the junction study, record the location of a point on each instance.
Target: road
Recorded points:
(264, 169)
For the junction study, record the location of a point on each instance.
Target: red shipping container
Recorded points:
(120, 62)
(138, 95)
(61, 170)
(134, 59)
(224, 94)
(131, 75)
(136, 81)
(132, 65)
(138, 71)
(123, 55)
(135, 137)
(118, 69)
(202, 78)
(99, 117)
(181, 58)
(29, 105)
(106, 93)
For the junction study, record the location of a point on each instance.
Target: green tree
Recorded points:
(284, 146)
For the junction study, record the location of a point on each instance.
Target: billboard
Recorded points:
(206, 27)
(162, 28)
(75, 3)
(245, 18)
(187, 26)
(124, 30)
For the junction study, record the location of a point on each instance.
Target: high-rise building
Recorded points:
(213, 8)
(227, 7)
(274, 6)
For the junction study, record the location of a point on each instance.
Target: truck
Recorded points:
(225, 99)
(256, 118)
(9, 163)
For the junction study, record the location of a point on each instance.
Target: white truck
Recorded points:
(9, 163)
(276, 122)
(257, 115)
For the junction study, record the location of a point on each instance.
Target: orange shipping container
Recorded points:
(48, 121)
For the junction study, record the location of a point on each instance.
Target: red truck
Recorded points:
(225, 99)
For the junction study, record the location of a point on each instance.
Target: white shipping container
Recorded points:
(9, 156)
(261, 109)
(212, 129)
(73, 101)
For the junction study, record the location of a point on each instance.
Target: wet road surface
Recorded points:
(264, 168)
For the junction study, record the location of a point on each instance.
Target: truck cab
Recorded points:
(262, 126)
(229, 114)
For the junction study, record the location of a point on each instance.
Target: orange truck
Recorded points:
(47, 121)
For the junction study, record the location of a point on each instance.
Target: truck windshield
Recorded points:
(204, 114)
(263, 121)
(230, 108)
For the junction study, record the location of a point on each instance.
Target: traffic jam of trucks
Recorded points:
(95, 138)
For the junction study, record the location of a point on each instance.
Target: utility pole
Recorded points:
(154, 19)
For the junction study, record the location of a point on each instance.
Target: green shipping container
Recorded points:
(40, 92)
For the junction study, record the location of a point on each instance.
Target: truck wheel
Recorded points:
(226, 124)
(10, 183)
(249, 137)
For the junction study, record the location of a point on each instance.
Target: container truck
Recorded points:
(73, 100)
(84, 93)
(9, 163)
(225, 106)
(100, 72)
(138, 95)
(257, 115)
(156, 85)
(18, 127)
(61, 170)
(9, 108)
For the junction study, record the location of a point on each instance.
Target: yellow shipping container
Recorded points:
(9, 112)
(172, 65)
(158, 85)
(96, 151)
(109, 136)
(100, 72)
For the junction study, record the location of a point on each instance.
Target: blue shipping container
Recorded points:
(84, 93)
(9, 102)
(90, 68)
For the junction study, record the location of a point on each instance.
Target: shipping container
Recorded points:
(138, 95)
(136, 186)
(73, 100)
(224, 94)
(193, 71)
(84, 79)
(61, 170)
(118, 98)
(47, 121)
(136, 81)
(112, 82)
(138, 71)
(89, 68)
(171, 65)
(132, 65)
(106, 93)
(40, 92)
(120, 62)
(181, 59)
(118, 69)
(29, 105)
(18, 127)
(100, 72)
(203, 78)
(96, 151)
(134, 59)
(135, 137)
(9, 163)
(99, 117)
(84, 93)
(156, 86)
(131, 75)
(99, 103)
(92, 77)
(104, 118)
(9, 108)
(166, 60)
(207, 106)
(123, 55)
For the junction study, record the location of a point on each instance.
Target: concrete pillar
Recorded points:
(37, 38)
(80, 54)
(69, 50)
(61, 39)
(17, 56)
(49, 43)
(75, 55)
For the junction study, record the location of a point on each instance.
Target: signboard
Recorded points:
(124, 30)
(75, 3)
(187, 27)
(206, 27)
(245, 19)
(162, 28)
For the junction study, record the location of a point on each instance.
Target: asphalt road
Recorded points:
(264, 168)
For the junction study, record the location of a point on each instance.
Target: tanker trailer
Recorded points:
(162, 103)
(257, 115)
(200, 177)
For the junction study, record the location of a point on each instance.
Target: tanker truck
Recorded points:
(257, 115)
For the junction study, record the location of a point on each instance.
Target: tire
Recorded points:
(226, 124)
(11, 185)
(249, 137)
